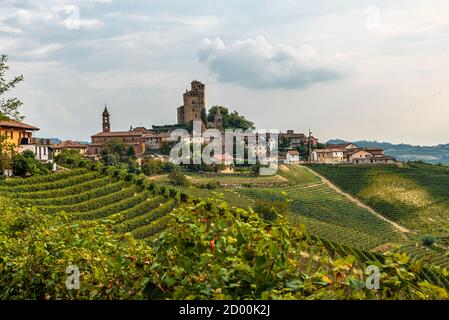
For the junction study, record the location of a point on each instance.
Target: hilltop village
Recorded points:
(294, 147)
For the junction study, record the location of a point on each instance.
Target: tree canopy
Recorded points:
(116, 151)
(230, 120)
(9, 107)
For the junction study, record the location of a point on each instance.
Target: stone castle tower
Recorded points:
(194, 104)
(106, 122)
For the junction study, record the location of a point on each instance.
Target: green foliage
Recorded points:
(215, 252)
(209, 185)
(7, 151)
(151, 166)
(271, 210)
(202, 250)
(428, 240)
(36, 249)
(230, 120)
(25, 164)
(178, 178)
(72, 158)
(9, 107)
(166, 147)
(43, 179)
(72, 180)
(115, 152)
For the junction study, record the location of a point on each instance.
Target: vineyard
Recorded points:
(87, 195)
(325, 213)
(414, 195)
(335, 226)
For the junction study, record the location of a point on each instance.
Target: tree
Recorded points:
(131, 152)
(7, 150)
(166, 147)
(230, 120)
(178, 178)
(212, 111)
(70, 157)
(116, 151)
(204, 116)
(25, 164)
(9, 107)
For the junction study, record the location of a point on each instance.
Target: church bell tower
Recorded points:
(106, 122)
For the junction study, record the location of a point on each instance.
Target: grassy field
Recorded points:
(414, 195)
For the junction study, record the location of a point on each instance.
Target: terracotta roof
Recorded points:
(17, 124)
(157, 135)
(118, 134)
(375, 150)
(340, 145)
(357, 151)
(70, 144)
(293, 152)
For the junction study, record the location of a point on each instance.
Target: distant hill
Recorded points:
(405, 152)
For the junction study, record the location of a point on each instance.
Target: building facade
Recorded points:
(350, 153)
(129, 138)
(40, 147)
(296, 140)
(69, 145)
(16, 132)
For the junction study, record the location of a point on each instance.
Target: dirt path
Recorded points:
(359, 203)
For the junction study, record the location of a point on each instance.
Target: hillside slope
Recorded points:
(203, 250)
(325, 212)
(414, 195)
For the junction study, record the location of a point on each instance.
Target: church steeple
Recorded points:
(218, 120)
(106, 122)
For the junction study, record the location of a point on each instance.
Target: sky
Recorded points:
(350, 69)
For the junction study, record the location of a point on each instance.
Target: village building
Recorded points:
(21, 136)
(16, 132)
(322, 156)
(350, 153)
(42, 148)
(292, 157)
(69, 145)
(129, 138)
(296, 140)
(346, 146)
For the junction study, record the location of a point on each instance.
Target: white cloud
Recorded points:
(255, 63)
(43, 50)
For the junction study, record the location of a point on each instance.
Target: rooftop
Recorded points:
(69, 144)
(118, 134)
(340, 145)
(17, 124)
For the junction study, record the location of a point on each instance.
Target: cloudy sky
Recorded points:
(352, 69)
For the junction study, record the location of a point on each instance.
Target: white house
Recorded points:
(292, 157)
(40, 147)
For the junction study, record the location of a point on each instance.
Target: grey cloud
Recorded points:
(255, 63)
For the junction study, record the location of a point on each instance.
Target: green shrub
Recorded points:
(130, 177)
(428, 240)
(178, 178)
(270, 210)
